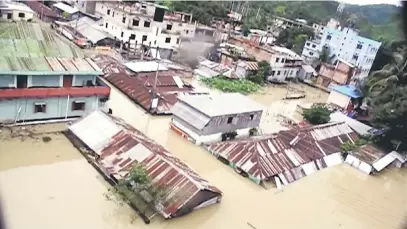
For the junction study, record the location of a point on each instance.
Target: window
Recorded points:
(186, 31)
(311, 53)
(147, 24)
(282, 60)
(144, 38)
(273, 72)
(121, 34)
(359, 46)
(314, 46)
(308, 44)
(328, 37)
(155, 42)
(9, 16)
(135, 22)
(78, 106)
(278, 73)
(277, 59)
(106, 25)
(230, 119)
(124, 19)
(132, 37)
(177, 40)
(21, 15)
(251, 117)
(167, 40)
(169, 26)
(108, 12)
(40, 107)
(113, 14)
(291, 73)
(355, 57)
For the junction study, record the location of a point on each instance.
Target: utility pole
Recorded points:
(156, 73)
(258, 11)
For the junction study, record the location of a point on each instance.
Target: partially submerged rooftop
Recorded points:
(120, 146)
(222, 104)
(288, 155)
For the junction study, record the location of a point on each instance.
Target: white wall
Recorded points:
(15, 15)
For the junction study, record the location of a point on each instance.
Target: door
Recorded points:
(21, 81)
(67, 81)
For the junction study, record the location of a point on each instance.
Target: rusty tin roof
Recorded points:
(120, 146)
(283, 153)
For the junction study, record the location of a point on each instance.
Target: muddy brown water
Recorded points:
(50, 185)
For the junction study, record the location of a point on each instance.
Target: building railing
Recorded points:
(54, 92)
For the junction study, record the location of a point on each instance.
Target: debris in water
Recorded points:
(46, 138)
(251, 225)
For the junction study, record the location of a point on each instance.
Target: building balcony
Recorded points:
(17, 93)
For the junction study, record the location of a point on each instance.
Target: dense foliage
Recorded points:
(260, 76)
(376, 21)
(386, 99)
(294, 38)
(354, 146)
(227, 85)
(317, 114)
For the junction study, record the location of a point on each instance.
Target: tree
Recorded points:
(317, 114)
(324, 56)
(294, 38)
(260, 76)
(386, 98)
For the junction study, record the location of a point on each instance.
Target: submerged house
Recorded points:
(370, 159)
(287, 156)
(116, 147)
(212, 118)
(345, 96)
(43, 78)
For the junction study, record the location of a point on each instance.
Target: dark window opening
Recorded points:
(144, 38)
(132, 37)
(278, 73)
(273, 72)
(136, 22)
(167, 40)
(108, 12)
(277, 59)
(78, 106)
(314, 46)
(9, 16)
(113, 14)
(21, 15)
(124, 19)
(251, 117)
(308, 44)
(230, 119)
(177, 40)
(147, 24)
(121, 34)
(22, 81)
(169, 26)
(359, 46)
(40, 108)
(355, 57)
(328, 37)
(106, 25)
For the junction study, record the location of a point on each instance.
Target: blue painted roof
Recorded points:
(348, 90)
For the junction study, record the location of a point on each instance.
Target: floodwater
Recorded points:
(67, 192)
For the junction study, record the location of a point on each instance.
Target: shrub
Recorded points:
(317, 114)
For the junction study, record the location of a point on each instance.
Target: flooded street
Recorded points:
(50, 185)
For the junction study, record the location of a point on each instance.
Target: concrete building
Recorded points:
(347, 45)
(145, 23)
(69, 12)
(15, 11)
(213, 118)
(43, 78)
(344, 96)
(284, 62)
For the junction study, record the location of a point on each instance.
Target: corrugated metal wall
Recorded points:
(219, 124)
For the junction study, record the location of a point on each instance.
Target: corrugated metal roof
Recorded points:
(47, 66)
(120, 146)
(190, 115)
(145, 66)
(283, 153)
(359, 127)
(39, 8)
(223, 104)
(66, 8)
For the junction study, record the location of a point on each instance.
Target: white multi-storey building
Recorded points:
(284, 64)
(345, 44)
(145, 23)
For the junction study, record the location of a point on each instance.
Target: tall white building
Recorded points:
(284, 63)
(145, 23)
(345, 44)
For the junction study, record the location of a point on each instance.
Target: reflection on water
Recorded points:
(69, 193)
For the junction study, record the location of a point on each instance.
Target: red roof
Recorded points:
(283, 153)
(53, 92)
(129, 146)
(40, 8)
